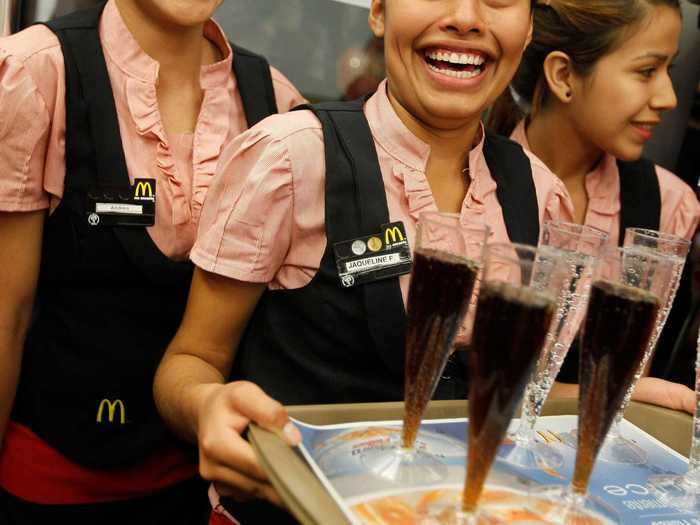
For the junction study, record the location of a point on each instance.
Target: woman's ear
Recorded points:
(377, 14)
(559, 74)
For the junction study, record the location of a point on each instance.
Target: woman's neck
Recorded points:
(452, 146)
(554, 139)
(449, 157)
(180, 51)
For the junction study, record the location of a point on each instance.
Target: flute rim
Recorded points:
(660, 236)
(586, 231)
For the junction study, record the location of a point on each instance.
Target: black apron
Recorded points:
(108, 301)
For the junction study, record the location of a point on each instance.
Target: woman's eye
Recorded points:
(647, 73)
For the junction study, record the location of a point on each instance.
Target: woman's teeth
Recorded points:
(456, 74)
(455, 65)
(456, 58)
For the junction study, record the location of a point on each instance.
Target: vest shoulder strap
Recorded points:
(352, 171)
(356, 205)
(640, 196)
(254, 82)
(83, 19)
(92, 136)
(510, 167)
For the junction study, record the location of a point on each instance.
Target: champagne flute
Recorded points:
(618, 449)
(628, 289)
(515, 309)
(683, 492)
(447, 259)
(579, 246)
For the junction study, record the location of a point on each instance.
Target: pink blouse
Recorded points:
(680, 210)
(33, 125)
(264, 218)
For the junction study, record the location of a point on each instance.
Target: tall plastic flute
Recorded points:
(579, 246)
(618, 449)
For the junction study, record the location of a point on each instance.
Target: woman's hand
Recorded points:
(225, 457)
(192, 394)
(665, 393)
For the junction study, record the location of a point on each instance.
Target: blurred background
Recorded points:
(325, 48)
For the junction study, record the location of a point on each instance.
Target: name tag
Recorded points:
(133, 205)
(380, 256)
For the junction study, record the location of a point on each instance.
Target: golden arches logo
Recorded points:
(111, 409)
(143, 190)
(394, 233)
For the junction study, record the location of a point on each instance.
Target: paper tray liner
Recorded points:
(311, 504)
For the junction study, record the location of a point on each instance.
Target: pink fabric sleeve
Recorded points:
(246, 224)
(680, 210)
(24, 125)
(286, 95)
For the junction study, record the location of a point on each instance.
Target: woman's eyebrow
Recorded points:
(659, 56)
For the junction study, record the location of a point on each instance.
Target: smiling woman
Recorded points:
(424, 57)
(593, 85)
(268, 322)
(596, 78)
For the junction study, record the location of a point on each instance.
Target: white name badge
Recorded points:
(122, 209)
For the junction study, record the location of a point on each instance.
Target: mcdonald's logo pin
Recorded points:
(144, 189)
(111, 409)
(395, 233)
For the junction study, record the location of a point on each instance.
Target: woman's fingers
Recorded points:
(230, 451)
(665, 393)
(250, 401)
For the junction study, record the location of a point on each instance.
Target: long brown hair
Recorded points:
(586, 30)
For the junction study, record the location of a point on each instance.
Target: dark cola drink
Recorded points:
(616, 332)
(441, 286)
(509, 333)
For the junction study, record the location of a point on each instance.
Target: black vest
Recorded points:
(108, 301)
(327, 344)
(640, 196)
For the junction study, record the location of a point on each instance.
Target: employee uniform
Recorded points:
(82, 137)
(317, 178)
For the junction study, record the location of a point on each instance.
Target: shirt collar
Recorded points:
(519, 135)
(603, 187)
(482, 183)
(602, 183)
(123, 49)
(392, 134)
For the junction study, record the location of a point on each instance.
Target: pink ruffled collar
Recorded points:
(602, 183)
(603, 188)
(124, 50)
(412, 155)
(141, 95)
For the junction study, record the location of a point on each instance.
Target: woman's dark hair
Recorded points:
(586, 30)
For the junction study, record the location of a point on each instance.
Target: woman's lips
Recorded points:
(644, 130)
